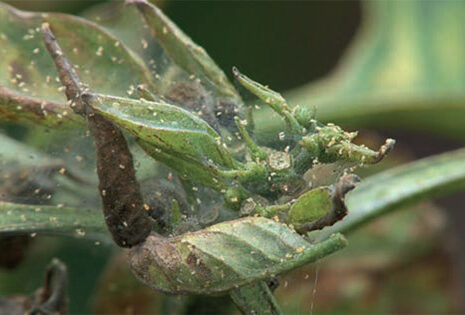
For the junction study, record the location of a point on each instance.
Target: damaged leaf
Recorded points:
(226, 255)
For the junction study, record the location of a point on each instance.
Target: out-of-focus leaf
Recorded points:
(424, 179)
(20, 219)
(12, 151)
(28, 83)
(126, 23)
(166, 127)
(117, 289)
(405, 70)
(29, 176)
(225, 255)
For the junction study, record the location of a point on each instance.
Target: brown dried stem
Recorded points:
(122, 201)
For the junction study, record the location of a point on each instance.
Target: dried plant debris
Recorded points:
(121, 199)
(52, 298)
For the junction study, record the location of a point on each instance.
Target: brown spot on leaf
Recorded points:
(167, 254)
(197, 265)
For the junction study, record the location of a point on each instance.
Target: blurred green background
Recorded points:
(390, 69)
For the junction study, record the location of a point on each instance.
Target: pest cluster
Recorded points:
(206, 227)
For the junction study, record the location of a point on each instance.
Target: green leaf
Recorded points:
(125, 23)
(166, 127)
(224, 256)
(186, 76)
(28, 86)
(185, 53)
(53, 220)
(311, 206)
(389, 190)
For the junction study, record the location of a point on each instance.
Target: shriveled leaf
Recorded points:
(54, 220)
(225, 255)
(166, 127)
(311, 206)
(26, 69)
(389, 190)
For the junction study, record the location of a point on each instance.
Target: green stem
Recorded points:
(255, 298)
(255, 151)
(270, 211)
(273, 99)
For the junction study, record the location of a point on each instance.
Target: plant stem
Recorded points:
(255, 298)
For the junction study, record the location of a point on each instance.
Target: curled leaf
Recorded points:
(330, 144)
(271, 98)
(224, 256)
(52, 298)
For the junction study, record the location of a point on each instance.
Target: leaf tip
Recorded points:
(236, 72)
